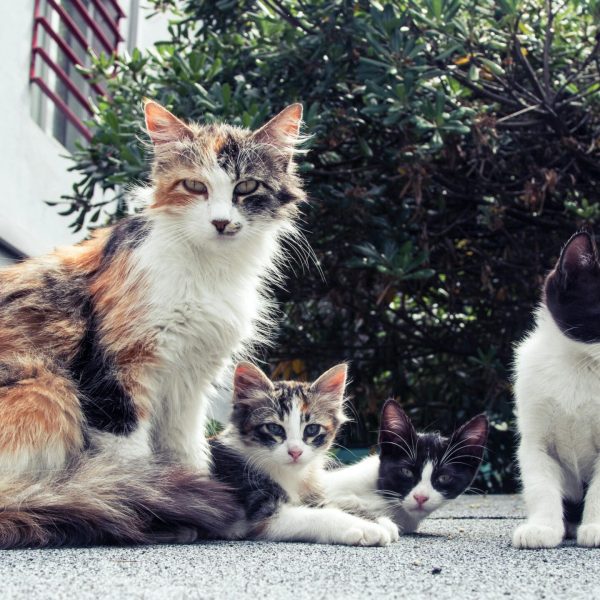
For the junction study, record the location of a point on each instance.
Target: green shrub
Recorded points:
(455, 146)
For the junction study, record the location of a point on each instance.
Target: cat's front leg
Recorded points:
(324, 526)
(588, 533)
(542, 480)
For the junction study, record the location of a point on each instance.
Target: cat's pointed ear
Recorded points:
(331, 386)
(283, 130)
(396, 432)
(248, 382)
(471, 437)
(579, 255)
(163, 126)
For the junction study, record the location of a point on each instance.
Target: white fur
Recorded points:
(204, 307)
(354, 488)
(557, 391)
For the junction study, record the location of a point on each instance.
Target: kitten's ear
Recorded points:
(282, 131)
(472, 437)
(396, 432)
(164, 126)
(579, 255)
(247, 380)
(330, 386)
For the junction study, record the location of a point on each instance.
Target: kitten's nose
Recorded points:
(420, 499)
(295, 454)
(220, 224)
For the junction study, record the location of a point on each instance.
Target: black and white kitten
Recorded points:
(414, 474)
(557, 394)
(273, 454)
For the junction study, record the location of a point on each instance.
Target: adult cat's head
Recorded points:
(218, 184)
(286, 423)
(572, 289)
(420, 471)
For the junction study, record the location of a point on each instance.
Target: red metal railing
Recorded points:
(97, 36)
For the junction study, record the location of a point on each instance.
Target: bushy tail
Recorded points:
(95, 502)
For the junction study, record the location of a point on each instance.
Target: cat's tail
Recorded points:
(96, 502)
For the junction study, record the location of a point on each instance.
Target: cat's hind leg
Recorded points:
(40, 417)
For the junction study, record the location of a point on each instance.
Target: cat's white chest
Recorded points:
(557, 390)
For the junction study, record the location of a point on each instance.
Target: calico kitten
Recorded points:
(274, 453)
(414, 474)
(557, 393)
(108, 349)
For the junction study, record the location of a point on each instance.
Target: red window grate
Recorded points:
(64, 33)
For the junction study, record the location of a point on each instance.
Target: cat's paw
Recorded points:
(531, 535)
(589, 535)
(367, 534)
(390, 527)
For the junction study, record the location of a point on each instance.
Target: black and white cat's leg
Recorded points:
(588, 533)
(327, 526)
(542, 479)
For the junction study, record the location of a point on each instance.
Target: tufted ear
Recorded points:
(332, 384)
(247, 380)
(164, 126)
(282, 130)
(579, 255)
(396, 432)
(472, 437)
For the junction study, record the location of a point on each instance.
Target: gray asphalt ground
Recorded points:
(464, 552)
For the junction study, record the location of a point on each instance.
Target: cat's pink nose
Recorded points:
(220, 224)
(295, 454)
(420, 499)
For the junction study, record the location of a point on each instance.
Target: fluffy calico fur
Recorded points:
(273, 454)
(415, 473)
(557, 392)
(108, 349)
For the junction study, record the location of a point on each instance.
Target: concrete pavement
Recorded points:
(464, 552)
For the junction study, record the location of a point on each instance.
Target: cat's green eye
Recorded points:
(275, 429)
(195, 187)
(246, 187)
(312, 429)
(444, 479)
(406, 472)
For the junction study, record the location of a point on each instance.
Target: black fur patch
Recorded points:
(127, 234)
(259, 494)
(572, 290)
(105, 404)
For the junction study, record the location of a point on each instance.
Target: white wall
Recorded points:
(33, 166)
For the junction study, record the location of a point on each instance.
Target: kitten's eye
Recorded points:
(312, 429)
(195, 187)
(246, 187)
(406, 472)
(275, 429)
(444, 479)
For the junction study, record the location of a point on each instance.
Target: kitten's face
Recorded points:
(287, 424)
(572, 290)
(420, 472)
(219, 184)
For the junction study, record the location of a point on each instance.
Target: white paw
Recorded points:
(589, 535)
(390, 527)
(531, 535)
(367, 534)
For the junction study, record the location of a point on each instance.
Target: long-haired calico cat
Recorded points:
(274, 453)
(108, 348)
(557, 392)
(414, 474)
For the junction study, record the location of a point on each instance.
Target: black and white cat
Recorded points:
(414, 474)
(273, 454)
(557, 391)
